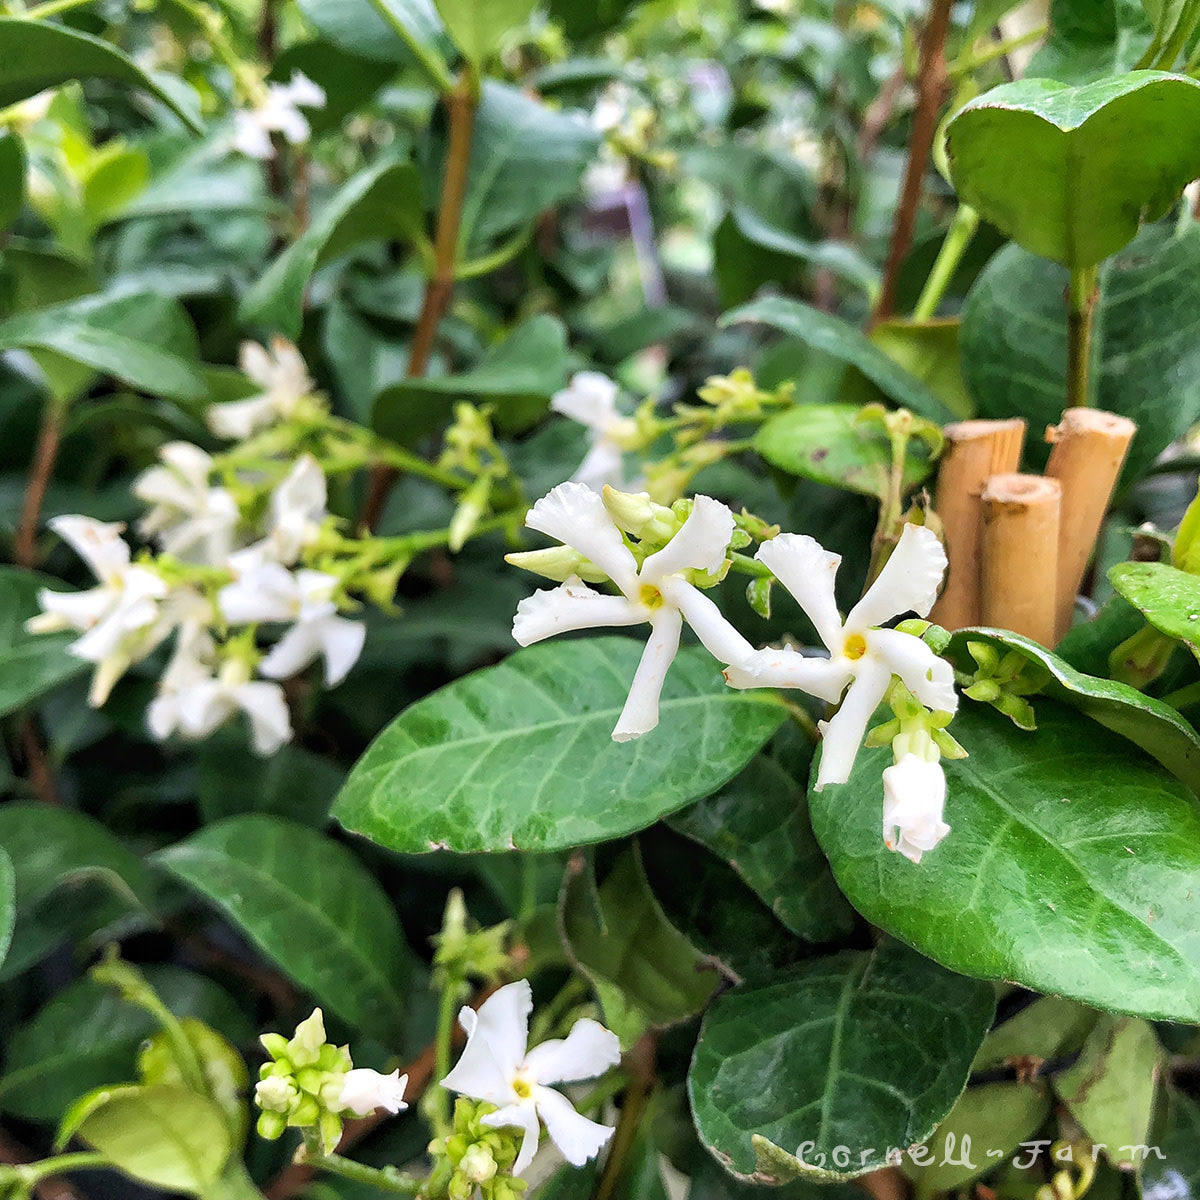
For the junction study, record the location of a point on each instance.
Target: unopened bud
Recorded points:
(637, 514)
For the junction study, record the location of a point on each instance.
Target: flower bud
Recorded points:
(637, 514)
(477, 1164)
(559, 563)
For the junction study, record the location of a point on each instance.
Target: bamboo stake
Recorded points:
(975, 451)
(1020, 554)
(1089, 450)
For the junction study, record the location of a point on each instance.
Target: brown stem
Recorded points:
(640, 1064)
(878, 114)
(52, 1187)
(931, 86)
(40, 469)
(37, 767)
(461, 104)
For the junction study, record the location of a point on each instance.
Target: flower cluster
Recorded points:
(233, 551)
(661, 579)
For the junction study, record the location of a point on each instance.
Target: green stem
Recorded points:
(996, 50)
(802, 720)
(32, 1173)
(432, 62)
(52, 8)
(1180, 38)
(386, 1179)
(1081, 307)
(1185, 697)
(440, 1108)
(954, 245)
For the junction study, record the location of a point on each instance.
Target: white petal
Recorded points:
(845, 730)
(524, 1116)
(304, 92)
(914, 796)
(364, 1090)
(250, 138)
(256, 363)
(590, 399)
(700, 545)
(603, 464)
(824, 678)
(807, 570)
(908, 582)
(716, 634)
(189, 462)
(293, 652)
(576, 516)
(266, 592)
(266, 706)
(238, 419)
(481, 1071)
(293, 124)
(640, 714)
(929, 677)
(341, 643)
(162, 716)
(78, 610)
(502, 1021)
(571, 605)
(587, 1051)
(203, 708)
(579, 1138)
(98, 543)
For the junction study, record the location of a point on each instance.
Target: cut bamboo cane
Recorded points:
(975, 451)
(1089, 450)
(1020, 554)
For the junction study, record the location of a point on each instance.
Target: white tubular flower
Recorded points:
(266, 591)
(658, 594)
(591, 399)
(364, 1090)
(861, 655)
(914, 796)
(296, 511)
(190, 519)
(122, 620)
(283, 376)
(279, 112)
(497, 1067)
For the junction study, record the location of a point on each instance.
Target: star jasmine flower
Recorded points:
(283, 376)
(296, 511)
(659, 593)
(914, 796)
(189, 518)
(862, 657)
(364, 1090)
(122, 619)
(267, 591)
(278, 112)
(497, 1067)
(591, 399)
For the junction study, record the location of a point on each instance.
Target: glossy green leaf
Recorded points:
(1110, 1088)
(1149, 723)
(162, 1135)
(1091, 39)
(40, 55)
(477, 26)
(359, 27)
(517, 377)
(647, 975)
(12, 179)
(1168, 598)
(381, 202)
(758, 823)
(467, 768)
(1045, 1029)
(30, 664)
(1174, 1173)
(1146, 341)
(825, 332)
(821, 1070)
(832, 444)
(309, 905)
(1071, 172)
(1055, 836)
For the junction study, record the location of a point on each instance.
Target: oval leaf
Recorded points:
(465, 769)
(1167, 597)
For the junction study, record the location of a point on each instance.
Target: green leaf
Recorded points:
(1149, 723)
(31, 664)
(647, 975)
(986, 1125)
(1110, 1088)
(382, 202)
(310, 906)
(1091, 39)
(1174, 1174)
(1071, 172)
(1083, 833)
(758, 823)
(162, 1135)
(481, 763)
(1146, 341)
(1048, 1027)
(711, 1182)
(478, 26)
(518, 376)
(39, 55)
(8, 903)
(525, 159)
(832, 444)
(1167, 597)
(12, 179)
(411, 31)
(818, 1072)
(825, 332)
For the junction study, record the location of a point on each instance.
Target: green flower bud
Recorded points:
(271, 1125)
(558, 563)
(638, 515)
(478, 1164)
(305, 1047)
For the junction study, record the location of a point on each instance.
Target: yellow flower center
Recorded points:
(855, 647)
(523, 1088)
(650, 596)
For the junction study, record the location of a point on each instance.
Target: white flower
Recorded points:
(591, 399)
(194, 703)
(496, 1067)
(190, 519)
(658, 594)
(861, 655)
(283, 376)
(279, 112)
(297, 509)
(364, 1090)
(267, 591)
(122, 620)
(914, 795)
